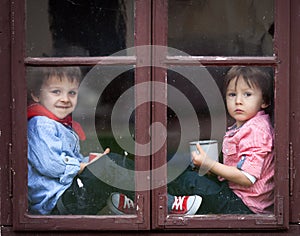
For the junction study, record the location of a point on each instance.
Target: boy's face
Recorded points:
(243, 102)
(58, 96)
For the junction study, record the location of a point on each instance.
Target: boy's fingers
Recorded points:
(106, 151)
(193, 156)
(199, 148)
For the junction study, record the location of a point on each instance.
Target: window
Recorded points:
(94, 36)
(148, 53)
(213, 37)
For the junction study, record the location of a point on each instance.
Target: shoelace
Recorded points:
(128, 203)
(178, 203)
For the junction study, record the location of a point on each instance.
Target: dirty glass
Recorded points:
(58, 28)
(75, 114)
(221, 28)
(196, 112)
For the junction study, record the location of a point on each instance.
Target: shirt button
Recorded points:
(66, 159)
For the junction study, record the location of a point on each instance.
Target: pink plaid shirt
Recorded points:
(254, 143)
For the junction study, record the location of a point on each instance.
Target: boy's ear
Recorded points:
(264, 105)
(35, 98)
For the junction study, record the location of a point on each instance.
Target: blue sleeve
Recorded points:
(46, 155)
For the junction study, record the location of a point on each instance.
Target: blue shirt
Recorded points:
(53, 161)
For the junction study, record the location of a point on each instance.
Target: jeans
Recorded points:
(90, 190)
(217, 197)
(96, 183)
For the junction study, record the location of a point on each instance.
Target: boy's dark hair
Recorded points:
(37, 75)
(253, 76)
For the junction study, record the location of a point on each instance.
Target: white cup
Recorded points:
(209, 146)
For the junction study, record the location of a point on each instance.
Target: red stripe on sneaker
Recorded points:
(121, 202)
(180, 205)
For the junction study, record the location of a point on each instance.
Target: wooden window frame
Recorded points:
(294, 188)
(147, 21)
(280, 61)
(24, 221)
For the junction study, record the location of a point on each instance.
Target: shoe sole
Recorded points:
(112, 208)
(196, 204)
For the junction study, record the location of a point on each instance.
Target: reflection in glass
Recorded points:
(197, 112)
(199, 95)
(222, 28)
(78, 27)
(71, 115)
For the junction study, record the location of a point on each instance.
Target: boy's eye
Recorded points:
(231, 94)
(247, 94)
(73, 93)
(55, 91)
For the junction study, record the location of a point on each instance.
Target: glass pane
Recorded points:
(197, 112)
(78, 27)
(222, 28)
(74, 115)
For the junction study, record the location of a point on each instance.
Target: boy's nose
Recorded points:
(65, 98)
(238, 99)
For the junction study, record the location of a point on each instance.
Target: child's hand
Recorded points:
(82, 166)
(106, 151)
(96, 156)
(204, 162)
(198, 159)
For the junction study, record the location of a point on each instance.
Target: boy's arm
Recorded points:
(82, 166)
(45, 154)
(231, 173)
(98, 155)
(95, 156)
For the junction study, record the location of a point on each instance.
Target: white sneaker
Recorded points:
(186, 205)
(120, 204)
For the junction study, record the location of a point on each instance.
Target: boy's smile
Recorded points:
(59, 96)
